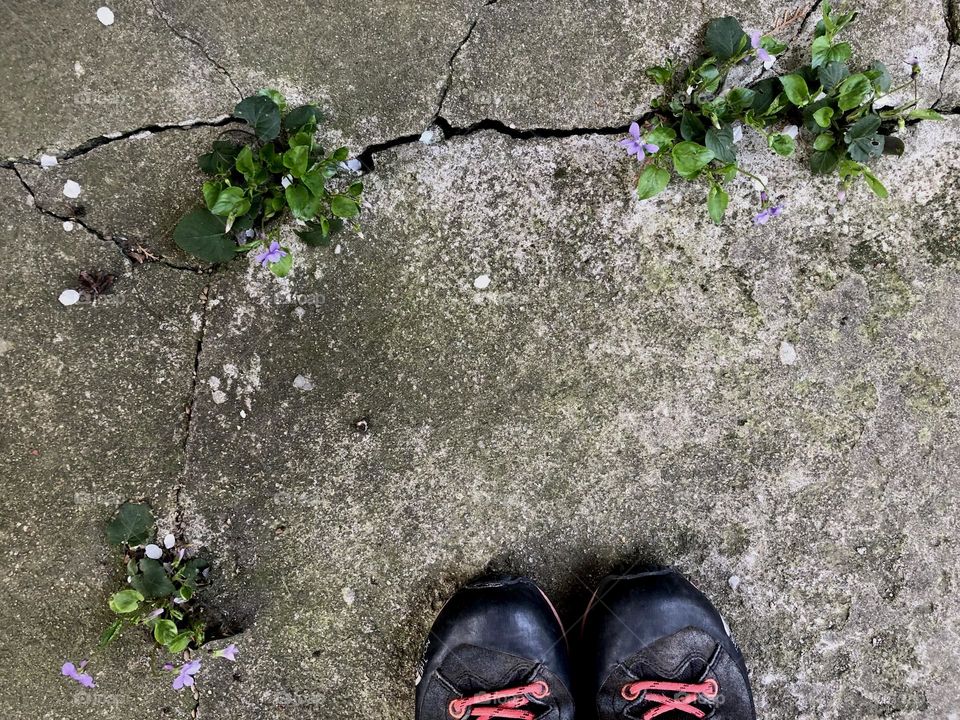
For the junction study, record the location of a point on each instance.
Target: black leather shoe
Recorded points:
(497, 650)
(655, 647)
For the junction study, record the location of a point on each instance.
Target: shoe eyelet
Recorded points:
(539, 689)
(456, 709)
(713, 690)
(628, 693)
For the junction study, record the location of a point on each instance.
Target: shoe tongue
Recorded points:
(685, 656)
(692, 656)
(473, 669)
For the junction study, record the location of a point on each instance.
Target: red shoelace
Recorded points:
(500, 704)
(685, 695)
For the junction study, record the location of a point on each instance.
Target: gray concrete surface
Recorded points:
(771, 409)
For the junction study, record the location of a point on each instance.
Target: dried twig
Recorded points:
(789, 17)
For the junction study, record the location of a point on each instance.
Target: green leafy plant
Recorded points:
(253, 185)
(161, 583)
(697, 122)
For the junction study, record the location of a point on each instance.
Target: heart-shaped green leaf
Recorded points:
(132, 525)
(201, 233)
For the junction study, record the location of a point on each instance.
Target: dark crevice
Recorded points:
(453, 58)
(951, 9)
(196, 43)
(366, 157)
(943, 75)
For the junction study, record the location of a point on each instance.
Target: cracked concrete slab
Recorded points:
(69, 78)
(376, 69)
(772, 409)
(93, 414)
(620, 392)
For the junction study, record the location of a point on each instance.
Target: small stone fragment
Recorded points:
(69, 297)
(349, 596)
(302, 382)
(71, 188)
(105, 15)
(68, 225)
(219, 397)
(788, 353)
(482, 282)
(734, 582)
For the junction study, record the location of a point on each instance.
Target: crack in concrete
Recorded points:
(117, 240)
(196, 43)
(66, 218)
(188, 409)
(943, 75)
(951, 10)
(367, 155)
(453, 59)
(102, 140)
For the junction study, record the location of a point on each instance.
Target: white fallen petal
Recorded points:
(791, 130)
(737, 133)
(71, 188)
(105, 15)
(482, 282)
(426, 137)
(69, 297)
(354, 164)
(169, 540)
(68, 225)
(153, 551)
(788, 353)
(286, 181)
(48, 161)
(302, 382)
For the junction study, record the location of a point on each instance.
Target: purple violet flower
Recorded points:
(635, 144)
(271, 255)
(69, 670)
(762, 217)
(185, 677)
(229, 652)
(841, 196)
(765, 57)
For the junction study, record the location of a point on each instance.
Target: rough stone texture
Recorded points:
(376, 68)
(93, 414)
(774, 404)
(68, 78)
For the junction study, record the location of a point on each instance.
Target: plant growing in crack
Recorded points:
(698, 121)
(162, 579)
(253, 185)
